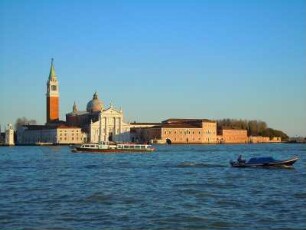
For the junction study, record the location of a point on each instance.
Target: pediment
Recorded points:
(111, 111)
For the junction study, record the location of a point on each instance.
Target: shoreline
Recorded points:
(177, 144)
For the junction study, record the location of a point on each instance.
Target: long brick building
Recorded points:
(177, 131)
(191, 131)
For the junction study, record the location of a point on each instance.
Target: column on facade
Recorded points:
(120, 124)
(106, 129)
(100, 128)
(114, 128)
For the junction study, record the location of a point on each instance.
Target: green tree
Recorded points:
(24, 121)
(254, 127)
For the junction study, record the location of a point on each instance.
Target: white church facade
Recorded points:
(101, 124)
(113, 127)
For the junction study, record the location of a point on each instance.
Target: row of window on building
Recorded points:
(189, 132)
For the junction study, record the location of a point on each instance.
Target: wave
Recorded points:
(99, 198)
(110, 199)
(91, 166)
(199, 165)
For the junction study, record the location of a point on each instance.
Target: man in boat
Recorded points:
(240, 160)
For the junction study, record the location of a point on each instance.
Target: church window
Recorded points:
(53, 87)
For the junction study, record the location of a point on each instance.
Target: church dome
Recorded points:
(95, 105)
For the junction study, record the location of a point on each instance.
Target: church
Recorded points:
(95, 124)
(113, 127)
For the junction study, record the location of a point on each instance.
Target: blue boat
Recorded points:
(263, 162)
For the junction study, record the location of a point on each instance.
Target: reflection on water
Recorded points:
(176, 187)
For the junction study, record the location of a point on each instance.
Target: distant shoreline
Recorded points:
(52, 145)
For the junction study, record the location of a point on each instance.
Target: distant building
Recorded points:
(297, 140)
(111, 120)
(232, 136)
(192, 131)
(178, 131)
(2, 137)
(47, 134)
(9, 135)
(145, 132)
(260, 139)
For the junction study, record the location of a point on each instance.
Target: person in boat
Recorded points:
(240, 160)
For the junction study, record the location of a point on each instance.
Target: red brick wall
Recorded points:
(182, 135)
(52, 109)
(235, 136)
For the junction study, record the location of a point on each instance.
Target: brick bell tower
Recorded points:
(52, 96)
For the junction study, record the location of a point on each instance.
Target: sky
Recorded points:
(157, 59)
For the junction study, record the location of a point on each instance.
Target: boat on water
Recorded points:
(106, 147)
(264, 162)
(40, 143)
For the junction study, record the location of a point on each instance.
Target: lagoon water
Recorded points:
(176, 187)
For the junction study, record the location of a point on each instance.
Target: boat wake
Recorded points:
(199, 165)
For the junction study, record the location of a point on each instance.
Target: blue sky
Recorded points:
(158, 59)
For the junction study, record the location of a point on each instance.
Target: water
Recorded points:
(176, 187)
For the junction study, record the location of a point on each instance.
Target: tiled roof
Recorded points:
(144, 123)
(178, 120)
(44, 127)
(183, 125)
(78, 113)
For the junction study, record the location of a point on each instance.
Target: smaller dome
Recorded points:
(95, 105)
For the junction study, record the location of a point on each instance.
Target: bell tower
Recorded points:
(52, 96)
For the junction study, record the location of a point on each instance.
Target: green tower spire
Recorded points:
(52, 75)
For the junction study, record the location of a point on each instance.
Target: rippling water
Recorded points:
(176, 187)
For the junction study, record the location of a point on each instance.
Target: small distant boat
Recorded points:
(264, 162)
(113, 147)
(40, 143)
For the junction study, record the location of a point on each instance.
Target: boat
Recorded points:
(106, 147)
(40, 143)
(264, 162)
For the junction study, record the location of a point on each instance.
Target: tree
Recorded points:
(254, 127)
(24, 121)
